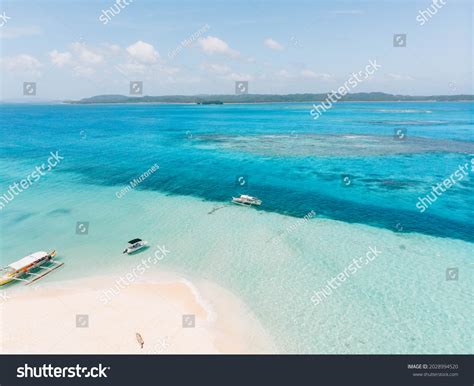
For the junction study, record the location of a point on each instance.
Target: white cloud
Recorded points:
(81, 59)
(86, 55)
(139, 59)
(60, 59)
(19, 32)
(144, 60)
(273, 44)
(23, 64)
(212, 45)
(143, 52)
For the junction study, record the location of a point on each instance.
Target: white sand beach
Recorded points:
(42, 318)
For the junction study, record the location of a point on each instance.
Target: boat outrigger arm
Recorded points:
(21, 270)
(46, 270)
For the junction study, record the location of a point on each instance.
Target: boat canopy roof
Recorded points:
(28, 260)
(134, 241)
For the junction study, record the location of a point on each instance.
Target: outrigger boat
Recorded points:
(21, 269)
(246, 200)
(134, 245)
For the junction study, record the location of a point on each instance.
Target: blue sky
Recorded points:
(278, 46)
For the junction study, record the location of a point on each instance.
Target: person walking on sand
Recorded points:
(140, 340)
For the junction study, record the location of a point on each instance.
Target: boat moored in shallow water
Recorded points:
(135, 245)
(21, 270)
(246, 200)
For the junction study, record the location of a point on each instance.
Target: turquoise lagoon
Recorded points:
(270, 257)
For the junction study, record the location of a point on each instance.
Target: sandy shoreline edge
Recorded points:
(50, 318)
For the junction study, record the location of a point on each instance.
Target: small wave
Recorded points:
(211, 315)
(407, 111)
(418, 123)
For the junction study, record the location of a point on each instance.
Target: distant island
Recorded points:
(209, 103)
(269, 98)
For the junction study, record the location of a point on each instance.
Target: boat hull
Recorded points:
(5, 281)
(129, 251)
(22, 270)
(246, 203)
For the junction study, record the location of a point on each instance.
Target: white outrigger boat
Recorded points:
(135, 245)
(21, 270)
(246, 200)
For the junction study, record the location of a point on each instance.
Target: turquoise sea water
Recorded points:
(400, 303)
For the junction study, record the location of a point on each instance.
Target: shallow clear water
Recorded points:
(401, 302)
